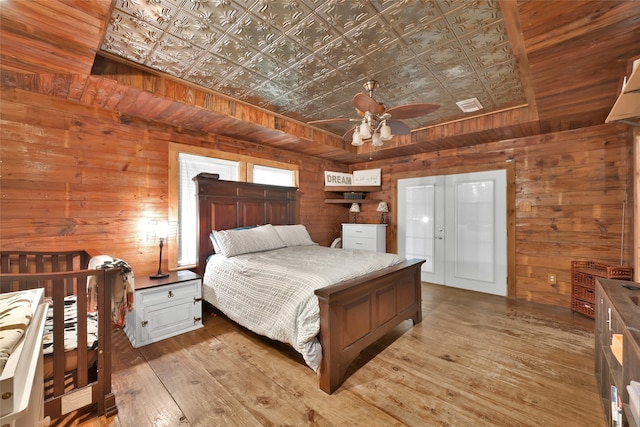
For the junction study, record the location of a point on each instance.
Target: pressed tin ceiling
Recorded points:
(306, 59)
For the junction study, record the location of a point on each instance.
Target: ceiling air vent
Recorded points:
(469, 105)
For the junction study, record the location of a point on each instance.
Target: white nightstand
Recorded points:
(370, 237)
(163, 308)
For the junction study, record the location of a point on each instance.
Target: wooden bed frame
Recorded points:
(353, 314)
(62, 274)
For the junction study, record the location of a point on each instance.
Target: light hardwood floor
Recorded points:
(475, 360)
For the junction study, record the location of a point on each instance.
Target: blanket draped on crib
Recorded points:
(122, 295)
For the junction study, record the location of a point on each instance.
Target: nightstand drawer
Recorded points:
(168, 319)
(168, 292)
(359, 230)
(362, 243)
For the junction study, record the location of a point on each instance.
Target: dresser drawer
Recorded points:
(361, 243)
(359, 230)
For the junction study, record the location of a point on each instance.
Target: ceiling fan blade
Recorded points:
(364, 102)
(398, 127)
(410, 111)
(341, 119)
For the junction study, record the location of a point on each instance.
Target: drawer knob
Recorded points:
(170, 294)
(196, 300)
(145, 323)
(196, 320)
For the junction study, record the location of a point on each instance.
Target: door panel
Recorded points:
(421, 224)
(476, 250)
(457, 223)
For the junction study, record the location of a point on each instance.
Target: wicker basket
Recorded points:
(585, 308)
(583, 283)
(352, 195)
(584, 294)
(603, 270)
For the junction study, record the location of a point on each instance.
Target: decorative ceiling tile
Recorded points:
(432, 39)
(306, 59)
(408, 16)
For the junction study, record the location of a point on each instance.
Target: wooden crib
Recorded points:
(80, 377)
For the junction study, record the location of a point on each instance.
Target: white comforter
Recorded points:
(272, 292)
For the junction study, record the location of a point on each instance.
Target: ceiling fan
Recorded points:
(376, 121)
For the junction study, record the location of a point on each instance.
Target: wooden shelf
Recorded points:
(350, 188)
(351, 201)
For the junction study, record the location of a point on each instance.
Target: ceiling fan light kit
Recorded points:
(377, 123)
(356, 139)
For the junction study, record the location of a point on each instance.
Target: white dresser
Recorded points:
(163, 308)
(369, 237)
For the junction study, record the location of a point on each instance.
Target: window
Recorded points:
(185, 162)
(190, 165)
(273, 176)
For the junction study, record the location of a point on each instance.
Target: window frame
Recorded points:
(245, 174)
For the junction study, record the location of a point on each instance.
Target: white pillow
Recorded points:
(294, 235)
(214, 242)
(238, 242)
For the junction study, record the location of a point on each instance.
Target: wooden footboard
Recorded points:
(61, 275)
(356, 313)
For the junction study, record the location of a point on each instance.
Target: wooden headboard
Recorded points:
(230, 204)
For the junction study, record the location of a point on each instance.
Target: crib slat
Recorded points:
(58, 337)
(82, 377)
(23, 267)
(39, 263)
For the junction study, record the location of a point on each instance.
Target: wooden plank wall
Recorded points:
(570, 189)
(76, 177)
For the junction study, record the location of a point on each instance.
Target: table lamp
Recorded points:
(160, 231)
(383, 208)
(355, 209)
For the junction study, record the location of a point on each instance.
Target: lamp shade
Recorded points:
(383, 207)
(157, 230)
(376, 141)
(355, 208)
(385, 131)
(365, 130)
(356, 140)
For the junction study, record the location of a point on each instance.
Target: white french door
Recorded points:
(458, 224)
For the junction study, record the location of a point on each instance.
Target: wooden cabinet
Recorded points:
(164, 308)
(583, 283)
(617, 346)
(369, 237)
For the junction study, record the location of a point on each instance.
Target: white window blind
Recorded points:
(273, 176)
(189, 166)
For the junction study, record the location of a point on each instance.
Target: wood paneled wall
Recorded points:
(570, 190)
(74, 177)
